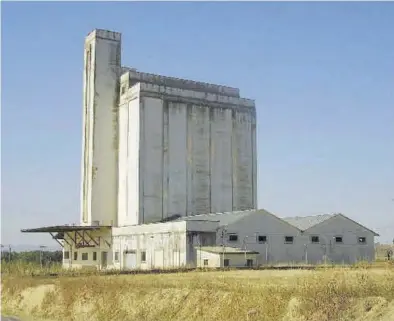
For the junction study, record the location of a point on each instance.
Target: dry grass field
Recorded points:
(362, 293)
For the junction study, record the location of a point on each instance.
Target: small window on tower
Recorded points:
(233, 237)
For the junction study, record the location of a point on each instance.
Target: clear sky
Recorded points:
(321, 75)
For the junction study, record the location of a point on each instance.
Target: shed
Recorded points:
(225, 256)
(336, 238)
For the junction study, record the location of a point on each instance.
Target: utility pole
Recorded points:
(41, 248)
(244, 243)
(199, 245)
(9, 252)
(152, 250)
(266, 249)
(223, 248)
(306, 253)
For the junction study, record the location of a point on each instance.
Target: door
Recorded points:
(130, 260)
(176, 260)
(159, 259)
(104, 257)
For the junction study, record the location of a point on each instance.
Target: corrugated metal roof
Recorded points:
(225, 218)
(63, 228)
(305, 222)
(226, 250)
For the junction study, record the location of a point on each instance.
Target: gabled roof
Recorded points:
(227, 218)
(224, 218)
(63, 228)
(306, 222)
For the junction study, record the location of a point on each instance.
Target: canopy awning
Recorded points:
(78, 235)
(63, 228)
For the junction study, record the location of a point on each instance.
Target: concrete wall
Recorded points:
(129, 159)
(167, 245)
(196, 153)
(100, 133)
(104, 240)
(275, 250)
(215, 260)
(163, 243)
(349, 251)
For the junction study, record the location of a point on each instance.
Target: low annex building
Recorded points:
(159, 153)
(224, 256)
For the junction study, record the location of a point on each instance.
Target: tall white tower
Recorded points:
(185, 148)
(102, 69)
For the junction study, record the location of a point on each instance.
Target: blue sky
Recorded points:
(321, 75)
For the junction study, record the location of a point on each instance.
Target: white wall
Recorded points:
(196, 153)
(164, 244)
(103, 239)
(215, 260)
(100, 135)
(129, 159)
(151, 164)
(349, 251)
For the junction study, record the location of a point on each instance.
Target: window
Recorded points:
(249, 262)
(233, 237)
(116, 256)
(338, 239)
(123, 90)
(94, 256)
(205, 262)
(315, 239)
(143, 256)
(362, 240)
(289, 239)
(75, 256)
(226, 262)
(66, 255)
(262, 239)
(84, 256)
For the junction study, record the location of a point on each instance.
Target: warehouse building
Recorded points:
(158, 154)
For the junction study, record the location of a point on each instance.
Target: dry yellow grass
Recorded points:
(325, 295)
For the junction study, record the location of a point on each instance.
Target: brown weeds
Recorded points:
(323, 295)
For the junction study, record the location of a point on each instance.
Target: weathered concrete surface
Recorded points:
(100, 135)
(157, 146)
(187, 154)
